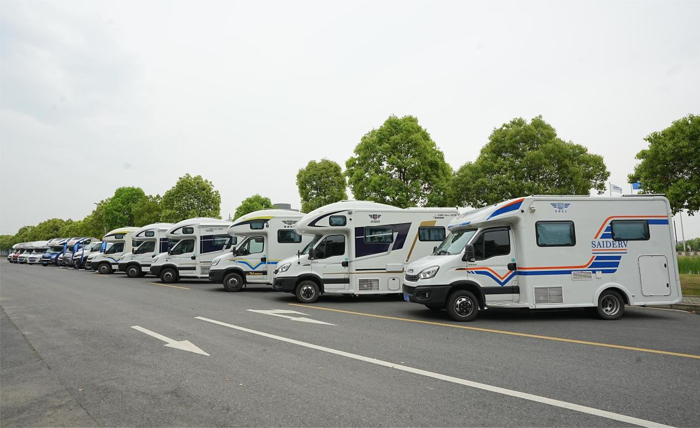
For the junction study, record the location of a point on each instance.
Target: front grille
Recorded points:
(408, 289)
(411, 278)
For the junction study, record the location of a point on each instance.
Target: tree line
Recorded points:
(399, 164)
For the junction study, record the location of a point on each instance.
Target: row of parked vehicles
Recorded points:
(537, 252)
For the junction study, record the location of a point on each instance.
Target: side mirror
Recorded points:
(434, 249)
(170, 252)
(469, 255)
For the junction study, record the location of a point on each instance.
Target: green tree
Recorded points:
(48, 229)
(320, 183)
(147, 211)
(118, 212)
(253, 203)
(398, 164)
(190, 197)
(6, 242)
(671, 164)
(25, 234)
(527, 159)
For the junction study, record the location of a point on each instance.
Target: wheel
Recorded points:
(434, 307)
(104, 268)
(462, 306)
(44, 264)
(142, 274)
(76, 264)
(133, 271)
(233, 282)
(307, 292)
(611, 306)
(168, 275)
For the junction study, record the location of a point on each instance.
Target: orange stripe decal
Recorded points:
(597, 235)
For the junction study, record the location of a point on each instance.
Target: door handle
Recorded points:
(344, 263)
(512, 266)
(263, 259)
(194, 257)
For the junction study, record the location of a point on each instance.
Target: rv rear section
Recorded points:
(545, 252)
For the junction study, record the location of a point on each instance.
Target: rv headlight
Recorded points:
(215, 262)
(428, 273)
(284, 268)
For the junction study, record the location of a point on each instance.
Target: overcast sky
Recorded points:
(97, 95)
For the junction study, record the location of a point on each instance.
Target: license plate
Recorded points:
(405, 297)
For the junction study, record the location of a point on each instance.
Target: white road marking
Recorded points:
(498, 390)
(285, 313)
(184, 345)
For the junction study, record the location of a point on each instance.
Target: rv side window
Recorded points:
(492, 243)
(331, 246)
(146, 247)
(379, 235)
(220, 241)
(629, 230)
(288, 236)
(257, 224)
(119, 236)
(555, 233)
(117, 247)
(234, 241)
(338, 220)
(431, 233)
(172, 243)
(254, 245)
(150, 234)
(183, 247)
(187, 230)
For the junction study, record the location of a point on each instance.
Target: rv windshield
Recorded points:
(57, 249)
(454, 243)
(311, 244)
(96, 246)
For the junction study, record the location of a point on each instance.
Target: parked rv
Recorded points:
(55, 249)
(16, 251)
(69, 249)
(268, 236)
(359, 248)
(114, 244)
(39, 248)
(545, 252)
(149, 241)
(199, 241)
(83, 250)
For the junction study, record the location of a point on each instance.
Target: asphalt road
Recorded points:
(72, 357)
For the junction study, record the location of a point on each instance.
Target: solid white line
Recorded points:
(477, 385)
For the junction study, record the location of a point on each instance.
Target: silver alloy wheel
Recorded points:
(307, 292)
(610, 305)
(464, 306)
(232, 281)
(133, 272)
(168, 276)
(104, 268)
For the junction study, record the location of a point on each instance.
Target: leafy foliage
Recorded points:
(320, 183)
(671, 164)
(527, 159)
(190, 197)
(253, 203)
(147, 211)
(398, 164)
(119, 210)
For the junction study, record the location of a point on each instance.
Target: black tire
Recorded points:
(142, 274)
(168, 275)
(133, 271)
(233, 282)
(307, 291)
(611, 305)
(44, 264)
(435, 307)
(104, 268)
(462, 306)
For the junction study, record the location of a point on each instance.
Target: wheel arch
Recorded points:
(614, 287)
(472, 287)
(235, 269)
(310, 277)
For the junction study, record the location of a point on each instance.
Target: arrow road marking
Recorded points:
(284, 313)
(184, 345)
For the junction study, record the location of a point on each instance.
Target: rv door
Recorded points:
(252, 259)
(331, 262)
(494, 265)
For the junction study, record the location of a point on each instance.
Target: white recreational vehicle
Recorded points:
(544, 252)
(15, 249)
(55, 249)
(38, 249)
(359, 248)
(114, 244)
(149, 241)
(199, 241)
(89, 247)
(268, 237)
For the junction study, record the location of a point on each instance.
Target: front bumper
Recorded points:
(217, 275)
(427, 295)
(122, 267)
(155, 270)
(286, 284)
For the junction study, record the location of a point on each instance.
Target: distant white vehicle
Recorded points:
(38, 249)
(149, 241)
(89, 246)
(544, 252)
(17, 250)
(55, 249)
(114, 244)
(268, 236)
(199, 241)
(360, 248)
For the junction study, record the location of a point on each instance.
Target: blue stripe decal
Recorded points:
(490, 275)
(596, 265)
(606, 257)
(606, 235)
(506, 209)
(658, 221)
(563, 272)
(256, 266)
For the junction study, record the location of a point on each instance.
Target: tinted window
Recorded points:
(555, 233)
(253, 245)
(220, 240)
(257, 224)
(172, 242)
(183, 247)
(150, 234)
(338, 220)
(117, 247)
(146, 247)
(379, 235)
(427, 233)
(331, 246)
(119, 236)
(492, 243)
(630, 230)
(288, 236)
(187, 230)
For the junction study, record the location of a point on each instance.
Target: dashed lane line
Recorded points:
(168, 285)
